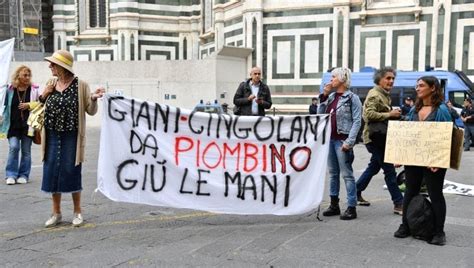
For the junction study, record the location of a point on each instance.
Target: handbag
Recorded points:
(378, 132)
(36, 118)
(37, 137)
(456, 148)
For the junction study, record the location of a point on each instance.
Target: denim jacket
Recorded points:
(348, 114)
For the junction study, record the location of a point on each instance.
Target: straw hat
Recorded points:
(62, 58)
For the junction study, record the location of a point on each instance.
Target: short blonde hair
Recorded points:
(16, 75)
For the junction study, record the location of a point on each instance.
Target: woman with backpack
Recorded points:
(429, 106)
(345, 109)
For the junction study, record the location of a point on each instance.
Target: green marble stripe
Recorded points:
(64, 12)
(455, 16)
(159, 43)
(63, 2)
(290, 75)
(233, 33)
(104, 52)
(163, 2)
(465, 59)
(389, 19)
(154, 12)
(302, 12)
(294, 89)
(172, 34)
(320, 39)
(363, 36)
(416, 51)
(83, 52)
(457, 2)
(298, 25)
(233, 21)
(429, 20)
(149, 53)
(426, 3)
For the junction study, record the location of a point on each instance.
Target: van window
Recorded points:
(457, 98)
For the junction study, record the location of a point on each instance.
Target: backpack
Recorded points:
(420, 218)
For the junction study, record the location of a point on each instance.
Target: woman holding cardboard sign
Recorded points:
(429, 106)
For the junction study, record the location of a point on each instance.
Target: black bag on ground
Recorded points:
(420, 218)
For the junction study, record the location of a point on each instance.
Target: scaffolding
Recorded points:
(22, 19)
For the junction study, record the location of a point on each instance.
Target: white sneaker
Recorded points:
(22, 180)
(53, 221)
(78, 220)
(11, 181)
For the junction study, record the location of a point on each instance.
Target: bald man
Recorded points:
(253, 96)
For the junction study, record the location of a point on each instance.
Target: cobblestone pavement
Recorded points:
(120, 234)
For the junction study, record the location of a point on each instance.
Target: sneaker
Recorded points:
(402, 231)
(398, 209)
(22, 180)
(361, 201)
(11, 181)
(53, 221)
(78, 220)
(438, 239)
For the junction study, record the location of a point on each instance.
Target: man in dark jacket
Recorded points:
(467, 116)
(313, 108)
(252, 96)
(407, 106)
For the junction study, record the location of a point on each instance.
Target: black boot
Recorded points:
(333, 209)
(402, 232)
(438, 239)
(349, 214)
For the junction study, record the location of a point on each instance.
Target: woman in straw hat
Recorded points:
(21, 96)
(67, 101)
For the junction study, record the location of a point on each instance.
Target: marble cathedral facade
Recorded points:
(293, 41)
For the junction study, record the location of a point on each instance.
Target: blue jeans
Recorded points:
(375, 164)
(340, 164)
(468, 135)
(23, 168)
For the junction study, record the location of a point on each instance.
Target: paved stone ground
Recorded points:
(120, 234)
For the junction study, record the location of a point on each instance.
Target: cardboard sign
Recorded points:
(426, 144)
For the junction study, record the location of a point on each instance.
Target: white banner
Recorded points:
(451, 187)
(6, 53)
(165, 156)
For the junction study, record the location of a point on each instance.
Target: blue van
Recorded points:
(456, 86)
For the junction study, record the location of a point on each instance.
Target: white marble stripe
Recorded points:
(233, 27)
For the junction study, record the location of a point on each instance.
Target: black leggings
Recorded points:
(434, 182)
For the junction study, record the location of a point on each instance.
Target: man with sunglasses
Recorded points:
(252, 96)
